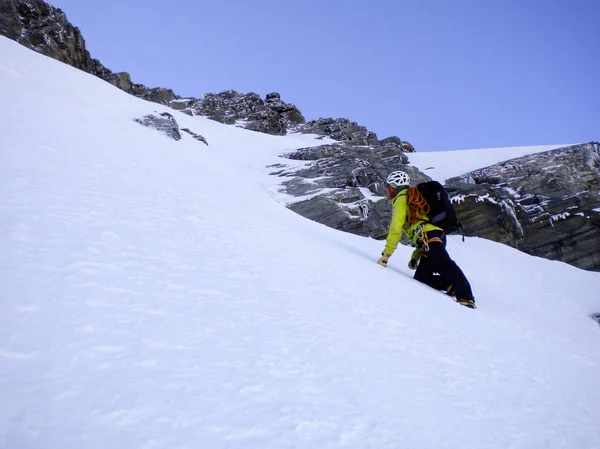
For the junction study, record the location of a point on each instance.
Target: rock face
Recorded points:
(270, 116)
(342, 185)
(545, 204)
(344, 130)
(167, 124)
(198, 137)
(163, 122)
(45, 29)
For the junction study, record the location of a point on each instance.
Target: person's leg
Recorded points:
(427, 276)
(439, 261)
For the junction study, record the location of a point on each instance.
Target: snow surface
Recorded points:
(442, 165)
(156, 295)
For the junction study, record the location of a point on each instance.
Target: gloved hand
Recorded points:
(383, 260)
(414, 259)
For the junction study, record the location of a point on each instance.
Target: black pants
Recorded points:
(437, 260)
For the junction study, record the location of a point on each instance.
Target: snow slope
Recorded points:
(155, 295)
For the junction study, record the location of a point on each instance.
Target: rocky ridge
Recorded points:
(250, 111)
(45, 29)
(545, 204)
(342, 184)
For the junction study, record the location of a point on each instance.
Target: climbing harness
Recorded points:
(424, 240)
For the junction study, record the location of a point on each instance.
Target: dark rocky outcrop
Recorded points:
(340, 129)
(270, 116)
(545, 204)
(198, 137)
(344, 130)
(45, 29)
(166, 123)
(342, 185)
(163, 122)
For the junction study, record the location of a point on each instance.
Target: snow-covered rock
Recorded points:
(196, 136)
(342, 185)
(350, 132)
(167, 124)
(545, 204)
(163, 122)
(250, 111)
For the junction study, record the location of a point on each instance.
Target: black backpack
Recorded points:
(441, 211)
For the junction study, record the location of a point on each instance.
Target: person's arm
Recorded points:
(398, 219)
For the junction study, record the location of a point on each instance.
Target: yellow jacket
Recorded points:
(399, 224)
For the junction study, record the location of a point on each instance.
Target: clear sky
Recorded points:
(442, 75)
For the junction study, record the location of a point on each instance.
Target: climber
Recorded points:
(430, 259)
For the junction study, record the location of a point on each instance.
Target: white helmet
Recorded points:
(397, 179)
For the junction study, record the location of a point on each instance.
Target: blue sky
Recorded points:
(442, 75)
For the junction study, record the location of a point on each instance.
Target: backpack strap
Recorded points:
(397, 192)
(459, 227)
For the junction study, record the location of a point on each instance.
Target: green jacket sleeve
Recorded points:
(399, 209)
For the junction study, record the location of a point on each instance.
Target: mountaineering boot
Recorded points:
(468, 302)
